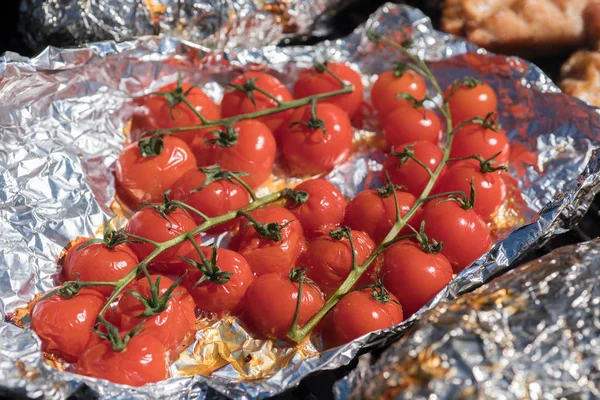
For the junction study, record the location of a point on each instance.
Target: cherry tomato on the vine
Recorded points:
(414, 276)
(324, 209)
(236, 101)
(470, 98)
(65, 325)
(143, 178)
(477, 139)
(465, 235)
(405, 171)
(317, 80)
(270, 305)
(391, 83)
(410, 124)
(314, 144)
(143, 361)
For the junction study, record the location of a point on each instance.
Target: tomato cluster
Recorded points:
(285, 259)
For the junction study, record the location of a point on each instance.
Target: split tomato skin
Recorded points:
(65, 325)
(212, 297)
(465, 235)
(271, 303)
(215, 199)
(388, 85)
(468, 102)
(237, 102)
(143, 361)
(357, 314)
(476, 139)
(324, 209)
(414, 276)
(311, 81)
(410, 124)
(308, 151)
(140, 180)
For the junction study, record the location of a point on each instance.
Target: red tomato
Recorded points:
(143, 361)
(265, 255)
(149, 224)
(217, 198)
(409, 124)
(328, 261)
(174, 327)
(237, 102)
(99, 263)
(410, 174)
(490, 189)
(210, 295)
(357, 314)
(476, 139)
(271, 303)
(414, 276)
(251, 150)
(465, 235)
(375, 215)
(312, 150)
(388, 85)
(65, 325)
(324, 209)
(312, 81)
(156, 115)
(470, 99)
(141, 180)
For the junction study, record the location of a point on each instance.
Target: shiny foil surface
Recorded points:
(530, 334)
(63, 116)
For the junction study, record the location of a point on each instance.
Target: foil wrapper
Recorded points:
(62, 118)
(531, 333)
(213, 23)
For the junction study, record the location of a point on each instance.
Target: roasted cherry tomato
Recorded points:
(359, 313)
(414, 276)
(236, 101)
(328, 260)
(374, 211)
(314, 145)
(175, 326)
(324, 209)
(477, 139)
(465, 235)
(391, 83)
(98, 262)
(405, 171)
(144, 179)
(156, 114)
(150, 224)
(250, 147)
(317, 80)
(490, 189)
(409, 124)
(65, 325)
(264, 248)
(470, 98)
(143, 361)
(226, 280)
(220, 195)
(270, 305)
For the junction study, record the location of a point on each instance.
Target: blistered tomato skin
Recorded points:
(237, 102)
(271, 303)
(476, 139)
(65, 325)
(143, 361)
(308, 151)
(468, 102)
(414, 276)
(141, 180)
(324, 209)
(219, 298)
(410, 124)
(388, 85)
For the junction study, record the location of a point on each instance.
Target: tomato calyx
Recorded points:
(428, 245)
(268, 230)
(465, 203)
(152, 146)
(320, 67)
(380, 293)
(313, 122)
(112, 334)
(168, 206)
(465, 82)
(226, 138)
(176, 96)
(400, 69)
(111, 238)
(388, 190)
(345, 233)
(485, 165)
(249, 87)
(297, 197)
(209, 268)
(214, 173)
(156, 303)
(488, 122)
(409, 154)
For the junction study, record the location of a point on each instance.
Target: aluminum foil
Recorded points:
(62, 118)
(213, 23)
(532, 333)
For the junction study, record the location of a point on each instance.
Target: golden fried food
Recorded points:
(580, 76)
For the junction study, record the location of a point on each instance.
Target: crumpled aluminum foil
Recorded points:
(62, 118)
(532, 333)
(213, 23)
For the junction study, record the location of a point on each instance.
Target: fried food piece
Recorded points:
(580, 76)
